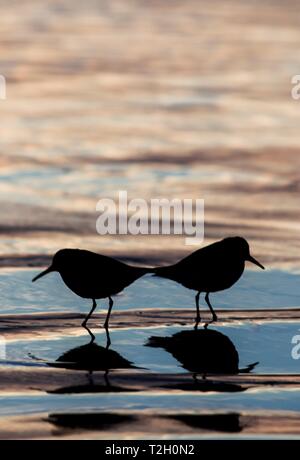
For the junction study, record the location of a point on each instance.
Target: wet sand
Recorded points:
(92, 399)
(17, 326)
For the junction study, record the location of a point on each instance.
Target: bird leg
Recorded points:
(198, 318)
(215, 318)
(90, 378)
(84, 323)
(108, 313)
(91, 334)
(195, 378)
(108, 341)
(106, 379)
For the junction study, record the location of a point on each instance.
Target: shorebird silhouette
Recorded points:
(210, 269)
(93, 276)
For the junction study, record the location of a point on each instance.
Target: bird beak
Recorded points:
(45, 272)
(254, 261)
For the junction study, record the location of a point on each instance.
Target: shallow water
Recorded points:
(268, 344)
(154, 384)
(39, 378)
(270, 289)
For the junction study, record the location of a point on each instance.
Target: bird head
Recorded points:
(58, 262)
(240, 246)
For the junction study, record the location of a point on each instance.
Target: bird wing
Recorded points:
(94, 275)
(200, 269)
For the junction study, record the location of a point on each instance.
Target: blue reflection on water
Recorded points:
(264, 399)
(266, 343)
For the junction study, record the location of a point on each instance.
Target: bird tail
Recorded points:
(141, 271)
(162, 272)
(248, 368)
(146, 270)
(157, 342)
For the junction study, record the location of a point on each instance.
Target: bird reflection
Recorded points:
(203, 351)
(88, 421)
(91, 357)
(228, 423)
